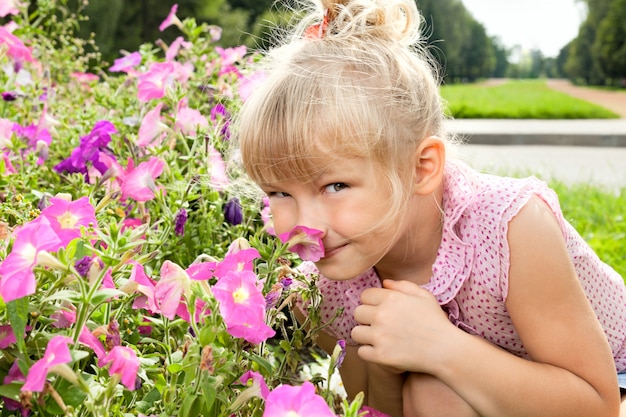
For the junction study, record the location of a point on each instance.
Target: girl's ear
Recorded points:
(430, 158)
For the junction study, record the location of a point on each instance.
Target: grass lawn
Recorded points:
(599, 217)
(517, 99)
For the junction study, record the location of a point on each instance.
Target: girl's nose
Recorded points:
(312, 217)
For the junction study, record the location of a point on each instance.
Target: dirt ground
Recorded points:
(612, 100)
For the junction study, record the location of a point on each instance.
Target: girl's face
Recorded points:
(346, 203)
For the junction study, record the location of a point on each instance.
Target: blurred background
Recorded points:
(581, 40)
(471, 39)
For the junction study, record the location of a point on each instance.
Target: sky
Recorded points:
(547, 25)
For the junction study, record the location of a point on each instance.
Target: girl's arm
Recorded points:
(572, 371)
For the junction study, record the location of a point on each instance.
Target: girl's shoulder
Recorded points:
(491, 199)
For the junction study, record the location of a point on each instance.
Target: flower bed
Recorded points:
(134, 279)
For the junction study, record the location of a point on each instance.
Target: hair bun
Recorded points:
(387, 19)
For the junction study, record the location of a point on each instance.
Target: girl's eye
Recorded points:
(277, 194)
(335, 187)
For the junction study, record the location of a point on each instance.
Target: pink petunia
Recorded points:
(7, 337)
(9, 7)
(84, 77)
(154, 82)
(152, 130)
(68, 218)
(266, 216)
(124, 362)
(229, 57)
(259, 386)
(247, 84)
(175, 46)
(171, 19)
(170, 290)
(242, 306)
(6, 132)
(302, 401)
(237, 261)
(57, 352)
(189, 121)
(17, 51)
(141, 283)
(306, 242)
(138, 183)
(126, 63)
(87, 338)
(17, 279)
(217, 168)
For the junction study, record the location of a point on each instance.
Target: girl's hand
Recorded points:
(401, 327)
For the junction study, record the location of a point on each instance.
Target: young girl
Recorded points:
(463, 294)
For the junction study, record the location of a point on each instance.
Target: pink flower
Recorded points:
(302, 401)
(126, 63)
(242, 306)
(7, 337)
(189, 121)
(171, 289)
(8, 7)
(175, 46)
(6, 132)
(17, 279)
(152, 129)
(87, 338)
(67, 218)
(140, 283)
(153, 83)
(371, 412)
(266, 216)
(248, 84)
(171, 19)
(229, 57)
(237, 261)
(84, 77)
(124, 362)
(138, 183)
(57, 352)
(306, 242)
(16, 48)
(258, 383)
(219, 179)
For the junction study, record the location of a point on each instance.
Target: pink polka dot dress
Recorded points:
(470, 273)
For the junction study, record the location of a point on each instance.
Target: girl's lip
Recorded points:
(332, 251)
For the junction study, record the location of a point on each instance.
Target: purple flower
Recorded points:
(221, 118)
(91, 149)
(82, 266)
(233, 212)
(9, 96)
(179, 222)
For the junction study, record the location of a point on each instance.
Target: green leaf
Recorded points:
(104, 294)
(69, 295)
(18, 316)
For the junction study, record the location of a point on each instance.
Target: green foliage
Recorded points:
(517, 100)
(598, 215)
(189, 362)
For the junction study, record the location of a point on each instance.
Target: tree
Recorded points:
(610, 43)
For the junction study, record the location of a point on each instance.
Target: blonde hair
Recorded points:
(365, 89)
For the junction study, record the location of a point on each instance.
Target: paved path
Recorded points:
(573, 151)
(579, 132)
(599, 166)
